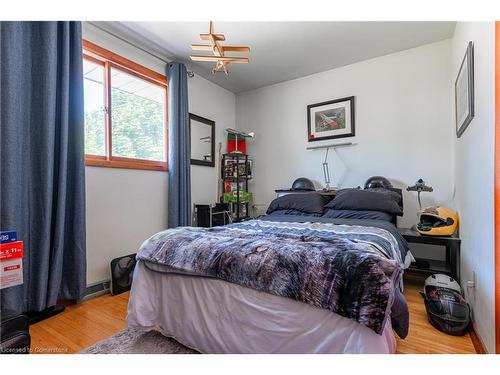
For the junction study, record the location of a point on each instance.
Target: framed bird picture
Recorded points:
(464, 92)
(331, 119)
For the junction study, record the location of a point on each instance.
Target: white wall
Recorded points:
(125, 206)
(403, 126)
(474, 169)
(208, 100)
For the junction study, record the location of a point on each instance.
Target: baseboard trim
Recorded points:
(476, 341)
(97, 289)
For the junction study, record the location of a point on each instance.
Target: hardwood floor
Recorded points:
(80, 326)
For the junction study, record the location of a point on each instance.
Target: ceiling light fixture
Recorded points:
(221, 60)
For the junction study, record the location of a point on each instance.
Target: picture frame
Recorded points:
(464, 92)
(202, 140)
(331, 119)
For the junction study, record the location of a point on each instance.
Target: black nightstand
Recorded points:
(451, 266)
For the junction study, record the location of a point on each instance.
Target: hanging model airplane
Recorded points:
(221, 60)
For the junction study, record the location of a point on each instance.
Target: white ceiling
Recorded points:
(281, 51)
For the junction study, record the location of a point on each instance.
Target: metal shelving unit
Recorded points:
(236, 172)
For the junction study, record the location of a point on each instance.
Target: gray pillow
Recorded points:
(356, 214)
(311, 203)
(367, 200)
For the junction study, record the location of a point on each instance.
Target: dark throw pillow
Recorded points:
(310, 203)
(367, 200)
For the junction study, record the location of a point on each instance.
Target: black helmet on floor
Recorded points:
(378, 182)
(303, 184)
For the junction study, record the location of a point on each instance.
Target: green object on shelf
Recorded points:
(232, 197)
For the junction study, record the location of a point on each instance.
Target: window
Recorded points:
(125, 112)
(95, 122)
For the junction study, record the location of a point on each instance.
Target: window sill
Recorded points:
(150, 165)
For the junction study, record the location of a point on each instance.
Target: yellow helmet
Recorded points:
(437, 221)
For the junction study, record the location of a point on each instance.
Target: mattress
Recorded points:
(214, 316)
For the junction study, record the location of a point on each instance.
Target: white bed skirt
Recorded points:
(214, 316)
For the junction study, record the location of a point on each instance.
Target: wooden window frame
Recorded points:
(98, 55)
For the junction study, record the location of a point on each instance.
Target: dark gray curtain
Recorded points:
(179, 161)
(42, 159)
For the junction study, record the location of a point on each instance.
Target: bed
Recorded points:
(283, 283)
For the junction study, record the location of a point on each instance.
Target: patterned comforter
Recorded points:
(351, 270)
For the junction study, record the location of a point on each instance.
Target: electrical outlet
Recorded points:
(471, 287)
(472, 283)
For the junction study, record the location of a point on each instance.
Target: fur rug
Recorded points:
(135, 341)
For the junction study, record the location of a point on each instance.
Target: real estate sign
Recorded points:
(11, 261)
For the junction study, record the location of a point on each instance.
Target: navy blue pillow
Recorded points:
(367, 200)
(310, 203)
(355, 214)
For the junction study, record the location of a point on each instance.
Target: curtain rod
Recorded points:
(189, 72)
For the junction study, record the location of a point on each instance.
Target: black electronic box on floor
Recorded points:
(212, 216)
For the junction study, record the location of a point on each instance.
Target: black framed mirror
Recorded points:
(202, 138)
